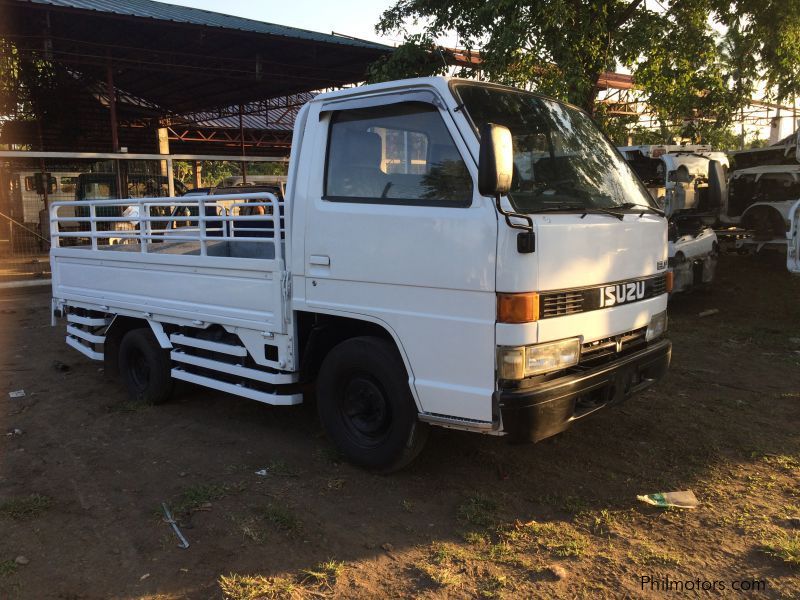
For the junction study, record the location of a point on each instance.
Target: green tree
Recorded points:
(696, 62)
(560, 47)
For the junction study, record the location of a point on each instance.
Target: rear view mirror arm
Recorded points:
(526, 239)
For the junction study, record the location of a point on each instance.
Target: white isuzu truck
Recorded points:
(448, 253)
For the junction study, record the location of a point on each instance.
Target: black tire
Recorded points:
(366, 407)
(145, 367)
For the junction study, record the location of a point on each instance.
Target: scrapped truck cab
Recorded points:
(689, 182)
(447, 253)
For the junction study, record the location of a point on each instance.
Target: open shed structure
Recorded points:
(146, 63)
(112, 86)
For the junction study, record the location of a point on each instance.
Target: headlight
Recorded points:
(518, 362)
(657, 326)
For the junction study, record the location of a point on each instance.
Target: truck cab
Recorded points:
(451, 253)
(688, 181)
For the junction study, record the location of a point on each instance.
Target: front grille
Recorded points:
(610, 348)
(659, 286)
(561, 303)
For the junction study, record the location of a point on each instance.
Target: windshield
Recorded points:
(561, 160)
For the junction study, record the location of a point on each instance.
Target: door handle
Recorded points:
(320, 260)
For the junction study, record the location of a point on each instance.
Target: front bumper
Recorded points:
(537, 413)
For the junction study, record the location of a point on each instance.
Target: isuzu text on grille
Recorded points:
(621, 293)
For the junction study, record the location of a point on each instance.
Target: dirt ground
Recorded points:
(81, 486)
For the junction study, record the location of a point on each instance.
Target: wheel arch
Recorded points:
(772, 212)
(319, 332)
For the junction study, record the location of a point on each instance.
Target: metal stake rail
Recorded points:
(143, 218)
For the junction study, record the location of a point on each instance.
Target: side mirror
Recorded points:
(496, 160)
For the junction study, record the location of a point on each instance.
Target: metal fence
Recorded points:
(30, 182)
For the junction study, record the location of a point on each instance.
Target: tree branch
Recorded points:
(626, 14)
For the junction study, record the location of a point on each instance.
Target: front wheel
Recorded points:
(145, 367)
(366, 407)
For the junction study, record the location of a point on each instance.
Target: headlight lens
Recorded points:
(657, 326)
(518, 362)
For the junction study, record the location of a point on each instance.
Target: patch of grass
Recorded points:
(257, 587)
(749, 518)
(325, 573)
(441, 553)
(560, 539)
(27, 507)
(251, 528)
(441, 575)
(491, 585)
(444, 564)
(8, 568)
(478, 510)
(649, 556)
(281, 517)
(501, 552)
(475, 539)
(603, 522)
(196, 496)
(784, 546)
(784, 461)
(407, 506)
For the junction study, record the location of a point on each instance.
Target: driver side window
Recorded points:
(395, 154)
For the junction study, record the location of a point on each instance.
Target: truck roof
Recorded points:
(440, 83)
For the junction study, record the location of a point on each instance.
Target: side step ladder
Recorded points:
(82, 334)
(183, 355)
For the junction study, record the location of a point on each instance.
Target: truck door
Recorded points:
(397, 233)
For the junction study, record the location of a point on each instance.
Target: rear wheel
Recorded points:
(366, 407)
(145, 367)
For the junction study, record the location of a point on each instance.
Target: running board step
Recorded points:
(91, 321)
(83, 349)
(237, 370)
(85, 335)
(237, 390)
(185, 340)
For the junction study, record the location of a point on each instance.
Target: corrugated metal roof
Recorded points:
(148, 9)
(248, 122)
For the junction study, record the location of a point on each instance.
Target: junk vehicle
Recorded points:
(678, 178)
(764, 196)
(260, 227)
(452, 253)
(103, 186)
(30, 185)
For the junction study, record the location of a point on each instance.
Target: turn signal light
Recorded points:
(518, 308)
(669, 280)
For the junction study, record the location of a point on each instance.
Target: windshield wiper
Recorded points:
(587, 210)
(658, 211)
